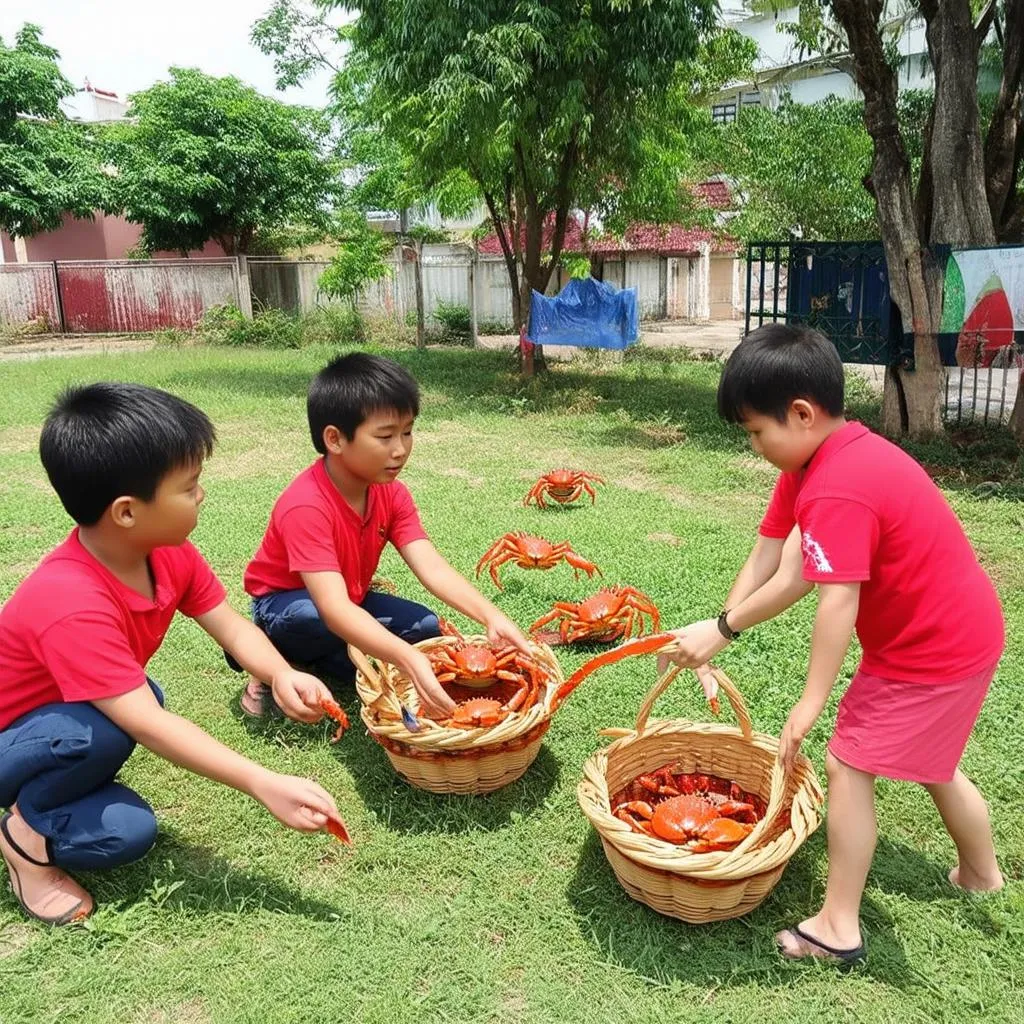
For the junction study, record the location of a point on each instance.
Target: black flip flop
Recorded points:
(841, 957)
(69, 916)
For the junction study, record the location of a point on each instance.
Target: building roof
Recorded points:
(642, 236)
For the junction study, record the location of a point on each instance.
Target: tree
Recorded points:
(967, 190)
(48, 165)
(784, 161)
(547, 105)
(362, 257)
(210, 158)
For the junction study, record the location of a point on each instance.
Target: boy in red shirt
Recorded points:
(310, 577)
(859, 518)
(76, 635)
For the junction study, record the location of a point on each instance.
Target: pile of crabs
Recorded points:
(490, 682)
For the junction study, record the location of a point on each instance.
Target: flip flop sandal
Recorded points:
(76, 913)
(842, 957)
(257, 706)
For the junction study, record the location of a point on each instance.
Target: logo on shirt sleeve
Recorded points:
(816, 553)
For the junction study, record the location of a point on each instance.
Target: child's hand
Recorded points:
(432, 694)
(299, 695)
(697, 644)
(502, 630)
(300, 804)
(800, 722)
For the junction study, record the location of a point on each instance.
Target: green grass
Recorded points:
(500, 908)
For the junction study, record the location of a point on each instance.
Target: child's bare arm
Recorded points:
(298, 803)
(833, 630)
(701, 641)
(298, 694)
(761, 564)
(445, 583)
(358, 627)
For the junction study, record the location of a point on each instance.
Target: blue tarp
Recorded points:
(586, 312)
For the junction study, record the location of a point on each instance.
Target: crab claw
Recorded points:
(337, 829)
(645, 645)
(336, 712)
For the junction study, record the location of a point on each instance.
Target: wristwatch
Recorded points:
(724, 628)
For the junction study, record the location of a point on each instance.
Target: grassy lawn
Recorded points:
(500, 908)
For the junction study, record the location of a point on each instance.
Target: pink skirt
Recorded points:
(912, 731)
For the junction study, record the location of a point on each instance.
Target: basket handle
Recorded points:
(776, 798)
(725, 684)
(362, 663)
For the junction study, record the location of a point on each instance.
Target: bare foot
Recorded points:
(965, 879)
(816, 937)
(800, 942)
(45, 892)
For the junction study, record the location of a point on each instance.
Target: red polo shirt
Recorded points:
(314, 529)
(869, 513)
(74, 632)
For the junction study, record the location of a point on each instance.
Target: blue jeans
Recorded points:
(58, 764)
(291, 621)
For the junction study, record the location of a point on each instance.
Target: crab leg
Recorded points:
(506, 556)
(581, 564)
(646, 645)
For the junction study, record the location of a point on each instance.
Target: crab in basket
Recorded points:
(702, 812)
(529, 552)
(487, 682)
(609, 615)
(563, 486)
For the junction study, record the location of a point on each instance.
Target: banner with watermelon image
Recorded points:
(983, 308)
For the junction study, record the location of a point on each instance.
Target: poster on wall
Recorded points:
(983, 308)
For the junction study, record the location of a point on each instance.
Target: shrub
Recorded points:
(454, 319)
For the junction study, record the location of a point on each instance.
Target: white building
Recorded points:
(93, 105)
(781, 67)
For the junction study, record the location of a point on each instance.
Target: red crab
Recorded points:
(504, 677)
(563, 486)
(529, 552)
(610, 614)
(690, 820)
(702, 811)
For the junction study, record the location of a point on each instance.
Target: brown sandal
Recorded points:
(76, 913)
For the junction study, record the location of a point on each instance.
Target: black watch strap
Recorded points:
(724, 628)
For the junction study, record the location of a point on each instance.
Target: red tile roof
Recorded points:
(715, 193)
(667, 239)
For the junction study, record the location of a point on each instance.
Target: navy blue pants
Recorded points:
(291, 621)
(58, 764)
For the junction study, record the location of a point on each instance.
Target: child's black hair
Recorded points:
(776, 364)
(353, 387)
(110, 439)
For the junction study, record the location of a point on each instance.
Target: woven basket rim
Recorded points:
(381, 713)
(724, 865)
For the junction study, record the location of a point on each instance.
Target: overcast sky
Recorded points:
(127, 45)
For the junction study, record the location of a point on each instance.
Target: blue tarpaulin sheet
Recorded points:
(586, 312)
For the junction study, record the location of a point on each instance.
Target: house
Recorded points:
(679, 272)
(782, 68)
(102, 237)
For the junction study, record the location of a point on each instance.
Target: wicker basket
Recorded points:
(451, 760)
(699, 887)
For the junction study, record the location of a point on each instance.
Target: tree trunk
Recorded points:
(911, 404)
(421, 320)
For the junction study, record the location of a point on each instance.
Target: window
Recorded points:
(724, 113)
(750, 99)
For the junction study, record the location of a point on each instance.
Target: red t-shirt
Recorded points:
(74, 632)
(869, 513)
(314, 529)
